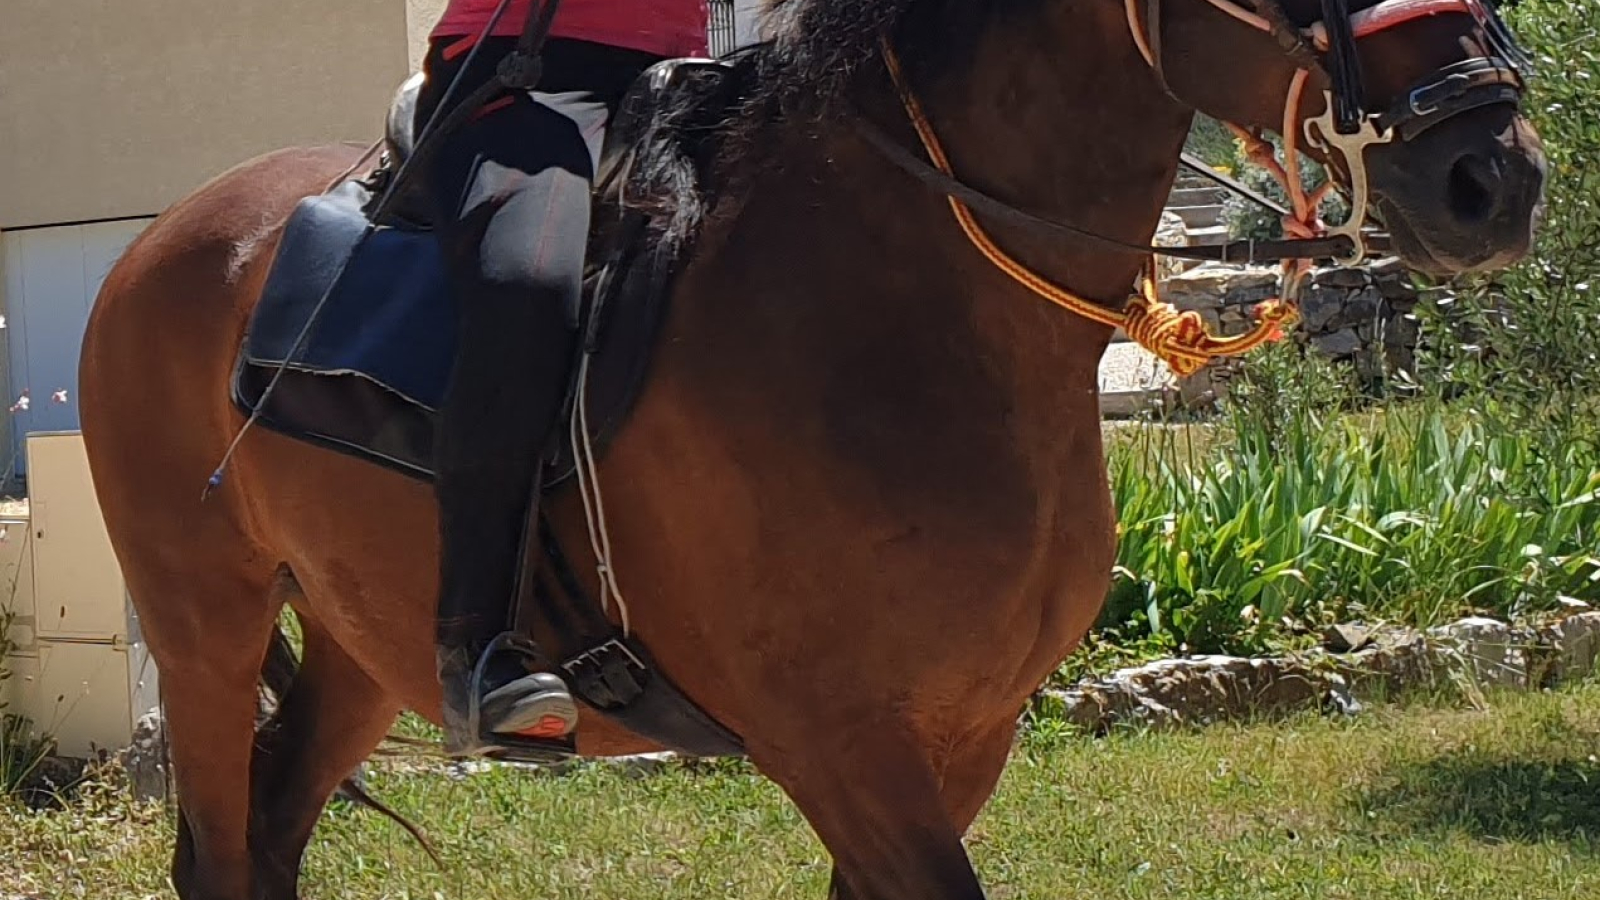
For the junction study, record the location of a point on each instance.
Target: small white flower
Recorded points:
(59, 396)
(22, 403)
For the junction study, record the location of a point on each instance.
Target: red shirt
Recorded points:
(659, 27)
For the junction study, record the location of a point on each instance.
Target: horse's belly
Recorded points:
(763, 585)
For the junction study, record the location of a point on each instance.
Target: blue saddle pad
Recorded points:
(367, 371)
(387, 320)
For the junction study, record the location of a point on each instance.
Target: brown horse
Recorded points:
(860, 509)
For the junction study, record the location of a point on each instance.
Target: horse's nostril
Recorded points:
(1474, 186)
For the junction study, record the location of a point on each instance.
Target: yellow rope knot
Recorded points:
(1180, 339)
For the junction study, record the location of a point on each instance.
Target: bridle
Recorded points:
(1345, 129)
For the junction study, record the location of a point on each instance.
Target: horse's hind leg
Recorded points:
(209, 628)
(331, 718)
(875, 800)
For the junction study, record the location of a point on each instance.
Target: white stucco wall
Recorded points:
(116, 109)
(747, 20)
(420, 17)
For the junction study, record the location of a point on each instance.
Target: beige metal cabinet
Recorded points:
(79, 672)
(78, 589)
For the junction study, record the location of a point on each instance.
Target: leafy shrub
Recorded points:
(1212, 142)
(1413, 514)
(21, 751)
(1533, 358)
(1247, 219)
(1483, 495)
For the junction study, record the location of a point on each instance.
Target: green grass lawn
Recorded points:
(1421, 801)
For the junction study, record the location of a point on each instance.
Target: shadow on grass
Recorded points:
(1496, 798)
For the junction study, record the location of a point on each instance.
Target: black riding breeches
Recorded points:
(510, 196)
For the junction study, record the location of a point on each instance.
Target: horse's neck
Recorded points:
(1060, 117)
(842, 293)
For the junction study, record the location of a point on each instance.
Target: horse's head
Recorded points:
(1425, 108)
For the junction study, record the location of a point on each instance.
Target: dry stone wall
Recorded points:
(1364, 316)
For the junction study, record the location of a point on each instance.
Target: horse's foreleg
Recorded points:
(973, 770)
(332, 717)
(875, 800)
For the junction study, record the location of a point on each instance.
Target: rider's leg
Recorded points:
(513, 187)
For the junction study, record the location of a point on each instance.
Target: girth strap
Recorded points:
(612, 671)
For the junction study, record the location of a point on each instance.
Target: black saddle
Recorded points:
(351, 343)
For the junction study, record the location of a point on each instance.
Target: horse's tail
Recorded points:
(278, 671)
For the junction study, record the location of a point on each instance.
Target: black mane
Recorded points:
(800, 75)
(817, 45)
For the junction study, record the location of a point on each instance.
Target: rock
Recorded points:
(1339, 700)
(1398, 292)
(644, 764)
(51, 781)
(1129, 367)
(1389, 661)
(1202, 389)
(1403, 330)
(1342, 277)
(1388, 267)
(1133, 381)
(1368, 367)
(1346, 638)
(1392, 663)
(1400, 359)
(145, 758)
(638, 765)
(1193, 691)
(1488, 647)
(1318, 307)
(1338, 344)
(1209, 285)
(1170, 232)
(1247, 292)
(1362, 306)
(1575, 645)
(1393, 279)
